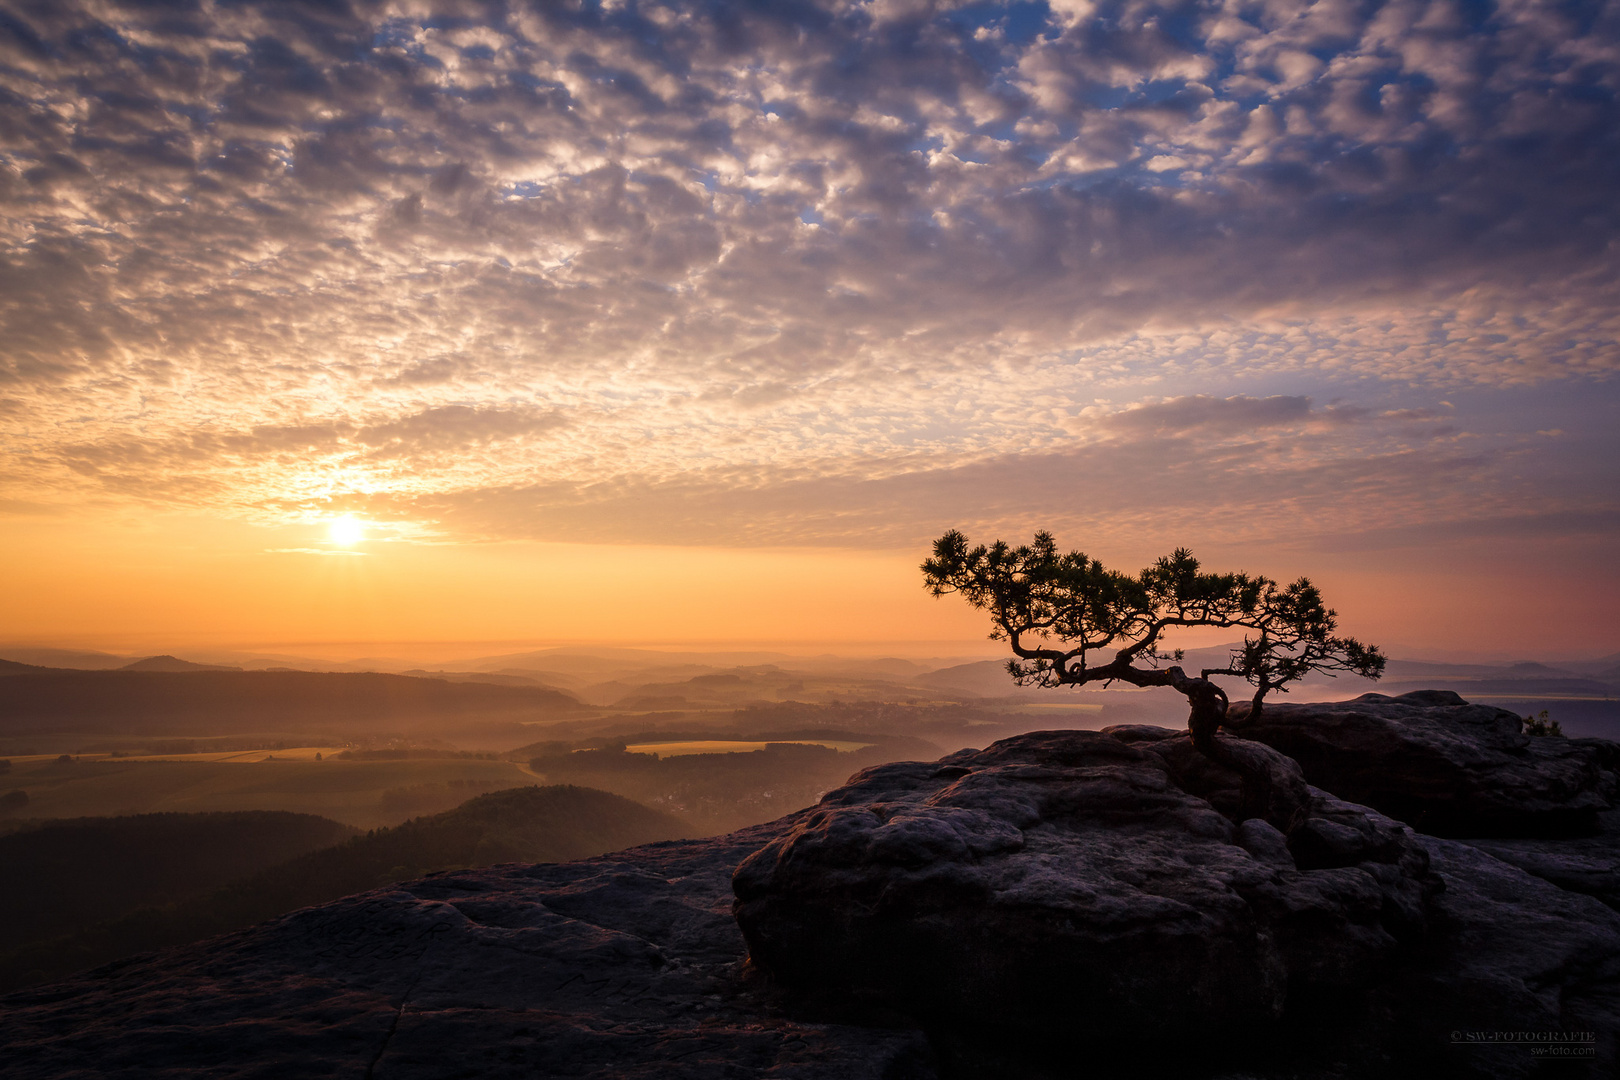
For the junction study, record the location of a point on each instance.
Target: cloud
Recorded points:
(457, 427)
(1225, 415)
(271, 255)
(1236, 471)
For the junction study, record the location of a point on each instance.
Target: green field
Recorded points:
(732, 746)
(365, 794)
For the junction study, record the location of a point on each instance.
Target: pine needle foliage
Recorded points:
(1071, 621)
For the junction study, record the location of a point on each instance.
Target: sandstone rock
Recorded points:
(1444, 766)
(631, 966)
(1058, 904)
(1082, 893)
(623, 966)
(1583, 864)
(1512, 960)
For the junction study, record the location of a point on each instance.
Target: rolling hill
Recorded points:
(532, 824)
(67, 874)
(215, 702)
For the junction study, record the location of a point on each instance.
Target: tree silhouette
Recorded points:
(1058, 612)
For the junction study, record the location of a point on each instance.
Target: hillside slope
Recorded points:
(68, 874)
(533, 824)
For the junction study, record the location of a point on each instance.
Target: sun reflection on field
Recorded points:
(731, 746)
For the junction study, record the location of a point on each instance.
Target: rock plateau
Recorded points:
(1443, 766)
(1060, 904)
(1065, 891)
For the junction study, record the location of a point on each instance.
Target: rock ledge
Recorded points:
(1073, 889)
(1443, 766)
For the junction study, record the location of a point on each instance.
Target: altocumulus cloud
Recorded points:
(516, 269)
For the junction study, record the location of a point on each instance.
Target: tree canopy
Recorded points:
(1059, 611)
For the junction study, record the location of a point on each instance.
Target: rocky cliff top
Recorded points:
(1445, 766)
(625, 965)
(1056, 904)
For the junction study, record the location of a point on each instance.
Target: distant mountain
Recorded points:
(11, 667)
(1473, 689)
(547, 677)
(576, 666)
(531, 824)
(230, 702)
(493, 678)
(985, 678)
(173, 663)
(606, 662)
(989, 679)
(1444, 669)
(80, 659)
(1527, 679)
(1602, 667)
(760, 683)
(884, 667)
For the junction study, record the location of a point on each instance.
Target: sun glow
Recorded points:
(346, 531)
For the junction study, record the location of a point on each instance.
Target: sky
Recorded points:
(672, 323)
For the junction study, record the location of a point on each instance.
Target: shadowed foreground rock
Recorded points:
(1584, 864)
(631, 965)
(1066, 890)
(1509, 954)
(1443, 766)
(622, 966)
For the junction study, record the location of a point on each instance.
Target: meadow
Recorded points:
(683, 747)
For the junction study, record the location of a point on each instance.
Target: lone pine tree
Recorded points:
(1071, 621)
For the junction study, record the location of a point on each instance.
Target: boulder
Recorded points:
(1518, 979)
(623, 966)
(1080, 893)
(630, 965)
(1443, 766)
(1584, 864)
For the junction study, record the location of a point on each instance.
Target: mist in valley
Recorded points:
(150, 801)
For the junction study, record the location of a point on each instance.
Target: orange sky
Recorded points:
(173, 582)
(187, 580)
(635, 324)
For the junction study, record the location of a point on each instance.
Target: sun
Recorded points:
(346, 531)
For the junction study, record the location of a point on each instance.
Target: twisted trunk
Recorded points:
(1266, 794)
